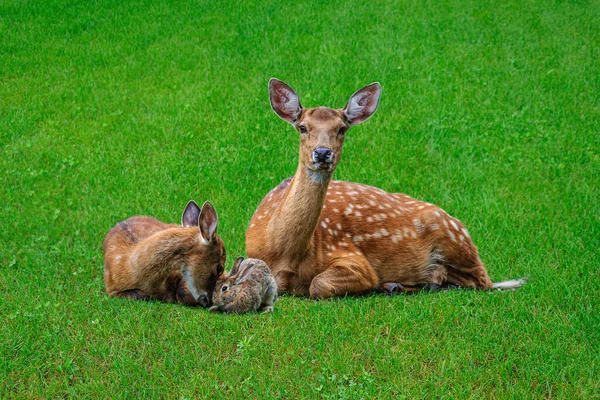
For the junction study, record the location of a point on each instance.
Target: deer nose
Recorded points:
(322, 154)
(203, 301)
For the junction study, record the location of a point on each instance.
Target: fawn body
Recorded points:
(145, 258)
(327, 238)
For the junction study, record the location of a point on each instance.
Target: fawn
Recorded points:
(329, 238)
(148, 259)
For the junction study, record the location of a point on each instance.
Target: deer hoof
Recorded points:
(432, 287)
(392, 288)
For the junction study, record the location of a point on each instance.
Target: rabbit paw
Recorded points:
(267, 309)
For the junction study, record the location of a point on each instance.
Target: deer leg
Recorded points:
(344, 276)
(134, 294)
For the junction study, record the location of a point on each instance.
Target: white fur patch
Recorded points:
(189, 280)
(318, 176)
(451, 235)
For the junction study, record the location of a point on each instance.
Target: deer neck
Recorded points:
(163, 252)
(297, 216)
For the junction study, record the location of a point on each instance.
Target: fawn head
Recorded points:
(322, 130)
(204, 262)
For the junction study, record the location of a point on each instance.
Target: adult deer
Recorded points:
(147, 259)
(329, 238)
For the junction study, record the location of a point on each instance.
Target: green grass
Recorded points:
(112, 109)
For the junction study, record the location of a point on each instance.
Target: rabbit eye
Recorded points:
(224, 289)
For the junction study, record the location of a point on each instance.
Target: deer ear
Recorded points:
(284, 101)
(190, 214)
(362, 104)
(236, 266)
(245, 273)
(208, 221)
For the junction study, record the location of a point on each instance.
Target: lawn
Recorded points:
(110, 109)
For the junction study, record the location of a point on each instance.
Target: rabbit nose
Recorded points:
(203, 301)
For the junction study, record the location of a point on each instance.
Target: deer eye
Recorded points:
(224, 289)
(220, 270)
(302, 129)
(342, 131)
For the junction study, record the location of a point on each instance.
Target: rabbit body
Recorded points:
(249, 287)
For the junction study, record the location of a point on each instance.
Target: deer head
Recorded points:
(322, 130)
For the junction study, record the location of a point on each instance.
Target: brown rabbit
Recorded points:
(249, 287)
(148, 259)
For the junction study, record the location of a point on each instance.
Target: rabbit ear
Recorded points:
(236, 266)
(245, 273)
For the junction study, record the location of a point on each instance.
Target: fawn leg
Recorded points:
(345, 275)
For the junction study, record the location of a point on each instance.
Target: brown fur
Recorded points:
(144, 259)
(328, 238)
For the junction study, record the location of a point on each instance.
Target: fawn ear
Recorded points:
(208, 221)
(236, 266)
(245, 273)
(284, 101)
(190, 214)
(362, 104)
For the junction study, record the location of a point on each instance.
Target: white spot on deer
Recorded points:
(357, 238)
(383, 216)
(323, 224)
(339, 226)
(367, 236)
(353, 193)
(333, 247)
(338, 193)
(358, 214)
(348, 211)
(348, 235)
(327, 220)
(377, 235)
(380, 207)
(330, 232)
(335, 210)
(411, 202)
(413, 234)
(331, 200)
(260, 217)
(437, 213)
(384, 232)
(434, 227)
(343, 244)
(369, 219)
(421, 207)
(445, 222)
(252, 225)
(372, 203)
(387, 205)
(406, 231)
(466, 232)
(453, 224)
(451, 235)
(118, 257)
(461, 238)
(419, 225)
